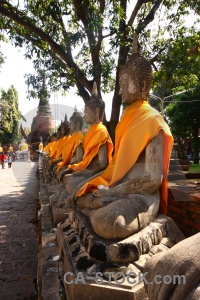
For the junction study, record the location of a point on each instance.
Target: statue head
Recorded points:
(76, 122)
(135, 76)
(94, 108)
(65, 128)
(53, 137)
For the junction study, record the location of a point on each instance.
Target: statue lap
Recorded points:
(76, 178)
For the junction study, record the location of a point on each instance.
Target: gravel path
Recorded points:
(18, 231)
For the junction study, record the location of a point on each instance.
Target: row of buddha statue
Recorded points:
(120, 188)
(121, 193)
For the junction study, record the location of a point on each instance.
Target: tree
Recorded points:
(82, 41)
(179, 65)
(2, 57)
(10, 116)
(179, 71)
(184, 118)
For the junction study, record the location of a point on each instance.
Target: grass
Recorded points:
(194, 168)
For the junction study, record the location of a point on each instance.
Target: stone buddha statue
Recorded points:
(51, 140)
(23, 154)
(46, 153)
(23, 146)
(40, 146)
(97, 146)
(10, 149)
(73, 152)
(127, 196)
(63, 134)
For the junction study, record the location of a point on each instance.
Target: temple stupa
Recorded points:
(43, 123)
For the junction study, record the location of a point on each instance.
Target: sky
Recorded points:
(12, 72)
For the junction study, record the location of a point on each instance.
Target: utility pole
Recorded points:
(163, 99)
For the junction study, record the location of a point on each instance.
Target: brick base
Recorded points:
(184, 206)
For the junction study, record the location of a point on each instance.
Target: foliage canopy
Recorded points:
(78, 42)
(10, 117)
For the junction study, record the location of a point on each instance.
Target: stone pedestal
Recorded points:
(22, 156)
(85, 255)
(57, 205)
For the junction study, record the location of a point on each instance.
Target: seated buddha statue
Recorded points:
(63, 136)
(10, 149)
(127, 196)
(23, 146)
(40, 146)
(73, 152)
(51, 141)
(97, 145)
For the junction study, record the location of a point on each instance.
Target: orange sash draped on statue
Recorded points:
(48, 147)
(57, 148)
(53, 149)
(60, 143)
(69, 150)
(138, 125)
(96, 136)
(64, 145)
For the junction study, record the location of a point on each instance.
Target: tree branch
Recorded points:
(135, 12)
(150, 17)
(84, 16)
(26, 22)
(102, 6)
(123, 51)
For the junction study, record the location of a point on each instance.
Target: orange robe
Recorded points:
(48, 147)
(53, 149)
(70, 148)
(138, 125)
(40, 146)
(96, 136)
(57, 148)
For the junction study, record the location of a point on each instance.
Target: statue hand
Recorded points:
(101, 193)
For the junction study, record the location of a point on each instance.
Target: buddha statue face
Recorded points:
(128, 89)
(73, 125)
(76, 122)
(64, 129)
(62, 132)
(90, 115)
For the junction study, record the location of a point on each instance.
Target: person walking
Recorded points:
(3, 160)
(9, 161)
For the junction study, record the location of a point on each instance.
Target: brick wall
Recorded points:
(184, 208)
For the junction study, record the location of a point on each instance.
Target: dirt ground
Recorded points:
(18, 231)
